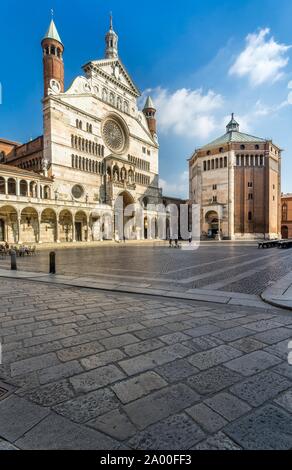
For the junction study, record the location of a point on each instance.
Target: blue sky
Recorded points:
(201, 59)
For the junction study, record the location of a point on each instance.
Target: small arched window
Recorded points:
(242, 147)
(284, 212)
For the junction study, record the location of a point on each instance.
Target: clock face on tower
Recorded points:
(114, 135)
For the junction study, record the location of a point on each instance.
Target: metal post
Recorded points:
(52, 262)
(13, 260)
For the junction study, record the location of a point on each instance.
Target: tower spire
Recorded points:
(149, 111)
(111, 42)
(53, 59)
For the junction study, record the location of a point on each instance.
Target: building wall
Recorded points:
(286, 216)
(247, 188)
(6, 147)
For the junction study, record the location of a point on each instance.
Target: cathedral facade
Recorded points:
(97, 147)
(236, 180)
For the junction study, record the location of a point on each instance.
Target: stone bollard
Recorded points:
(13, 260)
(52, 262)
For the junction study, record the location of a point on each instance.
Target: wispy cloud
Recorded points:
(262, 60)
(177, 188)
(185, 112)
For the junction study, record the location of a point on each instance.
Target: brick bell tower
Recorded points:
(53, 61)
(149, 112)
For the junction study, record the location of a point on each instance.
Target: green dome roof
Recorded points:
(233, 135)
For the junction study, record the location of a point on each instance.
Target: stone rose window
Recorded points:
(114, 135)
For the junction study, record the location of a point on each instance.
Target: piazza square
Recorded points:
(145, 252)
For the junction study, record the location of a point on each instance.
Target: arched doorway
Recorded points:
(9, 225)
(48, 226)
(212, 219)
(65, 226)
(95, 224)
(29, 225)
(127, 232)
(285, 232)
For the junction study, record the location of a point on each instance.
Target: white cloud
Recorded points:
(178, 188)
(187, 113)
(262, 60)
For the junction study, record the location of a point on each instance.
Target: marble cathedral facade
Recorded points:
(97, 146)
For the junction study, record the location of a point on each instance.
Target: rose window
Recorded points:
(113, 136)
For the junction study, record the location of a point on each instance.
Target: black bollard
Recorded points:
(52, 262)
(13, 260)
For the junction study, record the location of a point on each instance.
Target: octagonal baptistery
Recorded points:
(236, 180)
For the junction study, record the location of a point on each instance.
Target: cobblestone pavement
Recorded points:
(86, 369)
(238, 267)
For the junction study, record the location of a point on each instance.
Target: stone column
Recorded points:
(17, 187)
(18, 228)
(87, 228)
(6, 185)
(38, 191)
(39, 229)
(57, 229)
(73, 229)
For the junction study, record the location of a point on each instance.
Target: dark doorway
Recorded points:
(78, 231)
(285, 232)
(2, 230)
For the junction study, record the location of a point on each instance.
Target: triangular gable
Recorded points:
(115, 70)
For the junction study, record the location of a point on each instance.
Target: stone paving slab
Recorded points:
(57, 433)
(269, 427)
(260, 388)
(17, 416)
(178, 432)
(112, 370)
(252, 363)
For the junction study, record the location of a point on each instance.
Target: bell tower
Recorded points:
(149, 112)
(111, 42)
(53, 65)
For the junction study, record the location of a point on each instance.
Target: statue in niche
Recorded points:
(45, 165)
